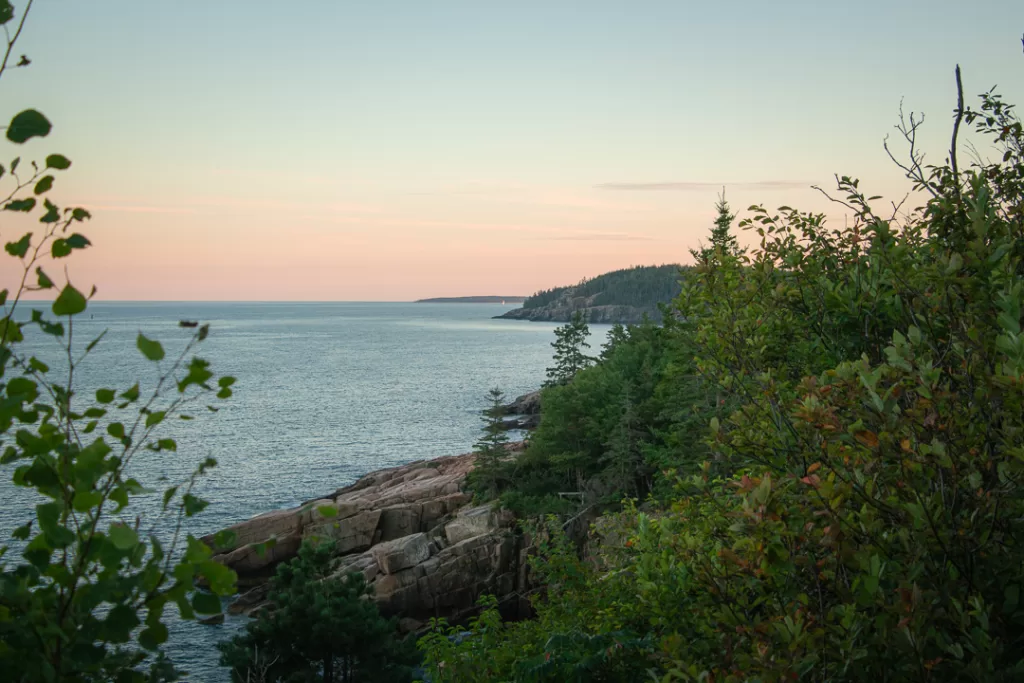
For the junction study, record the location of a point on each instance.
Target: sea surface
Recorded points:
(326, 392)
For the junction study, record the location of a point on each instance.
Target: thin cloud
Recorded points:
(604, 237)
(124, 208)
(694, 186)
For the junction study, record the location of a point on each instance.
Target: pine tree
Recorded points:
(722, 240)
(322, 627)
(489, 474)
(570, 342)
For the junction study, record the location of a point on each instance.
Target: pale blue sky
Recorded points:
(382, 150)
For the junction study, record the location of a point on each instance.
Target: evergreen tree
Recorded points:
(489, 474)
(722, 239)
(570, 342)
(321, 628)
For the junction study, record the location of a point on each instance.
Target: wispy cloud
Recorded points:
(134, 208)
(604, 237)
(694, 186)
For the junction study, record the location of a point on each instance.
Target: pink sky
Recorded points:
(396, 150)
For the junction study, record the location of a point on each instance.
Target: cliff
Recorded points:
(410, 530)
(621, 296)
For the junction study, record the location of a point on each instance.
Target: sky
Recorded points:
(386, 150)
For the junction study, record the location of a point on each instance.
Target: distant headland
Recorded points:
(621, 296)
(473, 300)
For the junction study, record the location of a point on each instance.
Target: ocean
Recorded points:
(326, 392)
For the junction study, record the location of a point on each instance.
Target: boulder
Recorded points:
(402, 553)
(277, 524)
(351, 534)
(471, 522)
(400, 520)
(250, 559)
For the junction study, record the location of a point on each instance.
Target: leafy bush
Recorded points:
(860, 515)
(83, 582)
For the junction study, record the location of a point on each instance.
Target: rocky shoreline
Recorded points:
(411, 530)
(626, 315)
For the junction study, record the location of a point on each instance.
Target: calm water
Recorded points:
(326, 392)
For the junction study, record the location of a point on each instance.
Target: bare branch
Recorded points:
(956, 130)
(12, 41)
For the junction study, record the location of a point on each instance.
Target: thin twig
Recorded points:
(12, 41)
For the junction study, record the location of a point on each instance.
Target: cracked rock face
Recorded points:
(408, 529)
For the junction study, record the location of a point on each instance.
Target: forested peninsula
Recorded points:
(473, 300)
(621, 296)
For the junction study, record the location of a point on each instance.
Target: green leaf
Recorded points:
(327, 511)
(80, 214)
(116, 430)
(10, 331)
(92, 345)
(21, 204)
(27, 125)
(69, 302)
(131, 394)
(169, 494)
(6, 11)
(86, 500)
(225, 538)
(222, 580)
(58, 161)
(38, 365)
(52, 214)
(123, 537)
(78, 241)
(155, 418)
(60, 248)
(152, 350)
(43, 280)
(45, 184)
(19, 248)
(120, 622)
(193, 505)
(105, 395)
(153, 636)
(206, 603)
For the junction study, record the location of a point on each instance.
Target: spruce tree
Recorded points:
(570, 342)
(721, 237)
(722, 240)
(322, 627)
(489, 473)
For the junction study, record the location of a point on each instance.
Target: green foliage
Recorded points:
(723, 242)
(580, 634)
(860, 515)
(492, 469)
(84, 583)
(613, 431)
(570, 358)
(639, 286)
(321, 627)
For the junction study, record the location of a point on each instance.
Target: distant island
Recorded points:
(621, 296)
(473, 300)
